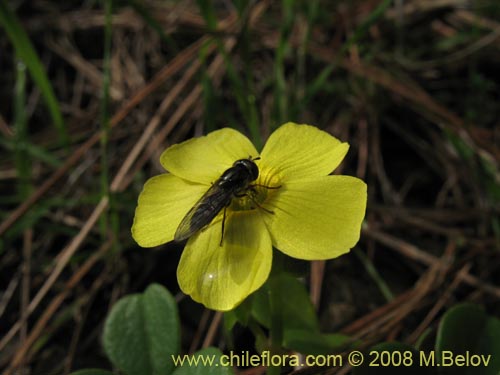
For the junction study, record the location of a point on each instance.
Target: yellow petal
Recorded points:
(319, 218)
(301, 151)
(162, 205)
(220, 277)
(204, 159)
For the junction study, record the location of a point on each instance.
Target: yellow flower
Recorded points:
(308, 214)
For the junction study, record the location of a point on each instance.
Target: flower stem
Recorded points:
(276, 329)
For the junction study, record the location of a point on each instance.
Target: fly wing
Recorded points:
(203, 212)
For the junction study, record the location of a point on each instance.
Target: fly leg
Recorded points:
(261, 207)
(223, 223)
(265, 186)
(251, 196)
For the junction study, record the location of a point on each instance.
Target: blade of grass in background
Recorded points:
(311, 12)
(299, 94)
(317, 85)
(375, 275)
(363, 28)
(248, 76)
(26, 52)
(155, 25)
(210, 102)
(244, 98)
(23, 161)
(105, 126)
(33, 151)
(248, 72)
(280, 87)
(208, 13)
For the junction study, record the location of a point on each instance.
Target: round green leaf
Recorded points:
(162, 326)
(468, 342)
(141, 332)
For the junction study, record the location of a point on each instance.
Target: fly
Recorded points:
(234, 182)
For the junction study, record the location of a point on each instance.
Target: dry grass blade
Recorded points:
(54, 305)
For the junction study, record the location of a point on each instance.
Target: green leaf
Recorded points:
(466, 331)
(204, 362)
(310, 342)
(141, 332)
(92, 371)
(230, 320)
(261, 309)
(391, 358)
(292, 299)
(241, 314)
(296, 306)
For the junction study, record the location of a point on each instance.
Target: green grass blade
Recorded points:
(363, 28)
(375, 275)
(23, 163)
(280, 84)
(33, 151)
(300, 92)
(154, 24)
(316, 86)
(208, 13)
(244, 98)
(105, 126)
(26, 52)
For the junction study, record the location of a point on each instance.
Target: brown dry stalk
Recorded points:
(415, 253)
(380, 312)
(440, 303)
(202, 325)
(54, 305)
(316, 280)
(212, 330)
(376, 325)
